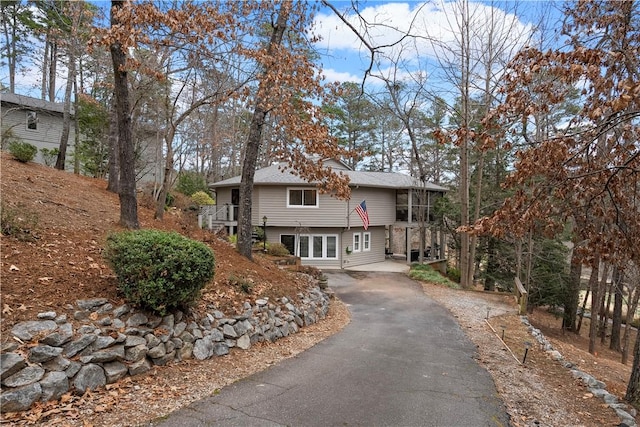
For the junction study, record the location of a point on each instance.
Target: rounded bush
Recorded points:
(201, 198)
(159, 270)
(277, 249)
(23, 151)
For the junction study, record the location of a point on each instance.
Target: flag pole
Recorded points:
(348, 215)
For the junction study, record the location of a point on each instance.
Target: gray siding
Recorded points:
(381, 206)
(47, 135)
(376, 254)
(330, 212)
(345, 239)
(274, 233)
(272, 202)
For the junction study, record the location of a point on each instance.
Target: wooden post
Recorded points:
(521, 296)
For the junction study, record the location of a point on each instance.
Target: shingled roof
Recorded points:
(32, 103)
(273, 175)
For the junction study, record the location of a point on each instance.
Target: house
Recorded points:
(35, 121)
(326, 232)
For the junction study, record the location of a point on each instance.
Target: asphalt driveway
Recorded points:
(402, 361)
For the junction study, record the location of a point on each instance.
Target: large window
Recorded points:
(314, 246)
(302, 197)
(422, 205)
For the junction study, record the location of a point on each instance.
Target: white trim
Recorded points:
(309, 238)
(357, 242)
(303, 189)
(366, 241)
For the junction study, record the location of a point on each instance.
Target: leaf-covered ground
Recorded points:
(54, 257)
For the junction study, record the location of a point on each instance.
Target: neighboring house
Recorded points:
(35, 121)
(324, 231)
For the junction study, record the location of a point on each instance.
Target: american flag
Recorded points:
(362, 211)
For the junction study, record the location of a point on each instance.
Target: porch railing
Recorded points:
(214, 214)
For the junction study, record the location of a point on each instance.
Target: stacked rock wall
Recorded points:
(50, 357)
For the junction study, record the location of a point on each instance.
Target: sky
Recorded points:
(345, 58)
(343, 55)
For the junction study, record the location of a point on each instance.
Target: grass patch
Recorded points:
(426, 273)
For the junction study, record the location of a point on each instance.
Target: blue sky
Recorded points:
(344, 59)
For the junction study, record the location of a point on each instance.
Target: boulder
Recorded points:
(20, 399)
(114, 371)
(26, 376)
(89, 377)
(10, 363)
(43, 353)
(27, 330)
(54, 385)
(139, 367)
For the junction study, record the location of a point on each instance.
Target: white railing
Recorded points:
(210, 214)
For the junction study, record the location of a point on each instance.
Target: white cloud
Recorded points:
(434, 24)
(332, 75)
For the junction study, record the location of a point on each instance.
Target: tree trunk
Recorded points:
(631, 309)
(489, 281)
(114, 158)
(614, 343)
(166, 179)
(11, 41)
(45, 67)
(466, 264)
(473, 244)
(53, 64)
(127, 184)
(66, 114)
(594, 285)
(254, 139)
(572, 296)
(606, 303)
(633, 387)
(584, 307)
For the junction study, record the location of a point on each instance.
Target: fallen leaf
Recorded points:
(6, 309)
(93, 316)
(45, 279)
(13, 268)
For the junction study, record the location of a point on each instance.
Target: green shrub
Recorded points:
(201, 198)
(190, 182)
(50, 156)
(277, 249)
(159, 270)
(17, 222)
(23, 151)
(426, 273)
(453, 273)
(245, 285)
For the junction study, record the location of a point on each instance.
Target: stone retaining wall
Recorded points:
(49, 358)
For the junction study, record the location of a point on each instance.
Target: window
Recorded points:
(304, 247)
(356, 242)
(402, 205)
(301, 197)
(332, 247)
(289, 242)
(366, 241)
(317, 246)
(32, 120)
